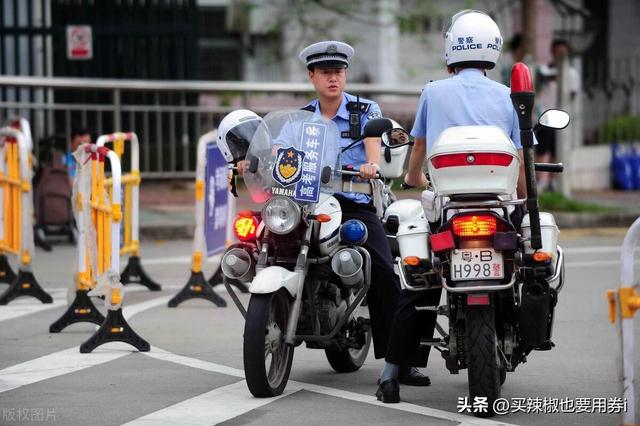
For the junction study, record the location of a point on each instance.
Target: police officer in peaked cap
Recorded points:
(327, 63)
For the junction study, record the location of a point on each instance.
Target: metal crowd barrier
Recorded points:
(16, 212)
(133, 273)
(102, 212)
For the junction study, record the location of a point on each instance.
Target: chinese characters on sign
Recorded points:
(216, 206)
(312, 143)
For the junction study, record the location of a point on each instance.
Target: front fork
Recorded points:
(301, 270)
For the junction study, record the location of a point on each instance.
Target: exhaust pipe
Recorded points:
(237, 264)
(347, 265)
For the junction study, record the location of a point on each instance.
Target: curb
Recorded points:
(594, 220)
(169, 231)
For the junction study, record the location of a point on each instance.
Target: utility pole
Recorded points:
(564, 139)
(528, 8)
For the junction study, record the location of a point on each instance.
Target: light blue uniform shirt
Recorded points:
(468, 98)
(354, 156)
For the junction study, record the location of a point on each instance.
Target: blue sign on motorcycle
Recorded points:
(216, 203)
(312, 144)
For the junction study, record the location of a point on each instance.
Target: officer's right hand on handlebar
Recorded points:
(369, 171)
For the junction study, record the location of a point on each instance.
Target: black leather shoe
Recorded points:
(411, 376)
(388, 391)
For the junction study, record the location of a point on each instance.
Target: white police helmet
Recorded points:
(235, 132)
(472, 38)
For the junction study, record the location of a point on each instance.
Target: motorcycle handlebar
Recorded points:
(549, 167)
(357, 173)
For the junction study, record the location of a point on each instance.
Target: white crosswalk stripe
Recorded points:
(71, 360)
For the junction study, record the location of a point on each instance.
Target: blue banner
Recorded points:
(216, 201)
(312, 144)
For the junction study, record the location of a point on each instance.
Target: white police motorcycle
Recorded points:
(502, 281)
(308, 273)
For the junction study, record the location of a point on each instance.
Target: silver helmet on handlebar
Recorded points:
(235, 132)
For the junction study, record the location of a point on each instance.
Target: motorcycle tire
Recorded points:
(483, 362)
(503, 375)
(267, 359)
(348, 360)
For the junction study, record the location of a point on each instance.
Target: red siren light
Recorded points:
(521, 78)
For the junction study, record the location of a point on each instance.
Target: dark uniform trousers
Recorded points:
(385, 287)
(410, 325)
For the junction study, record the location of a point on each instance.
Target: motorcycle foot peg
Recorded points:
(545, 346)
(365, 323)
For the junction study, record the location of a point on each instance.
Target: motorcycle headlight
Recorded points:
(281, 215)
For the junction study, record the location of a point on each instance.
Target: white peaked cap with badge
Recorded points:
(327, 54)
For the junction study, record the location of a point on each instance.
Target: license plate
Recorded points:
(476, 263)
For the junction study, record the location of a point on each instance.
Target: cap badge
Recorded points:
(332, 49)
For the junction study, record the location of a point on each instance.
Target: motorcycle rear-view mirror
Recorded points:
(376, 127)
(396, 137)
(554, 119)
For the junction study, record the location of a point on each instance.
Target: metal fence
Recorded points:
(167, 116)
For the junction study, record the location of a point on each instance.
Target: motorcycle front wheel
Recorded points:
(483, 362)
(267, 359)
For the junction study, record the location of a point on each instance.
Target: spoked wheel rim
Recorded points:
(276, 351)
(357, 353)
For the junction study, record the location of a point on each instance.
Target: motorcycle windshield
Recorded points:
(288, 154)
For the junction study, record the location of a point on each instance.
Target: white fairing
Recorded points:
(405, 210)
(548, 231)
(272, 279)
(329, 234)
(470, 178)
(413, 238)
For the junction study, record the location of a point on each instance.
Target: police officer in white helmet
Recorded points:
(472, 45)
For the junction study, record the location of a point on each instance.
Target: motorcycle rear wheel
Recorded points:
(267, 359)
(483, 362)
(348, 360)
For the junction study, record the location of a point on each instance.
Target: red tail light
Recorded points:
(474, 226)
(472, 159)
(245, 226)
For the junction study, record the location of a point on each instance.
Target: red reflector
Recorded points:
(477, 299)
(472, 159)
(245, 228)
(474, 226)
(442, 241)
